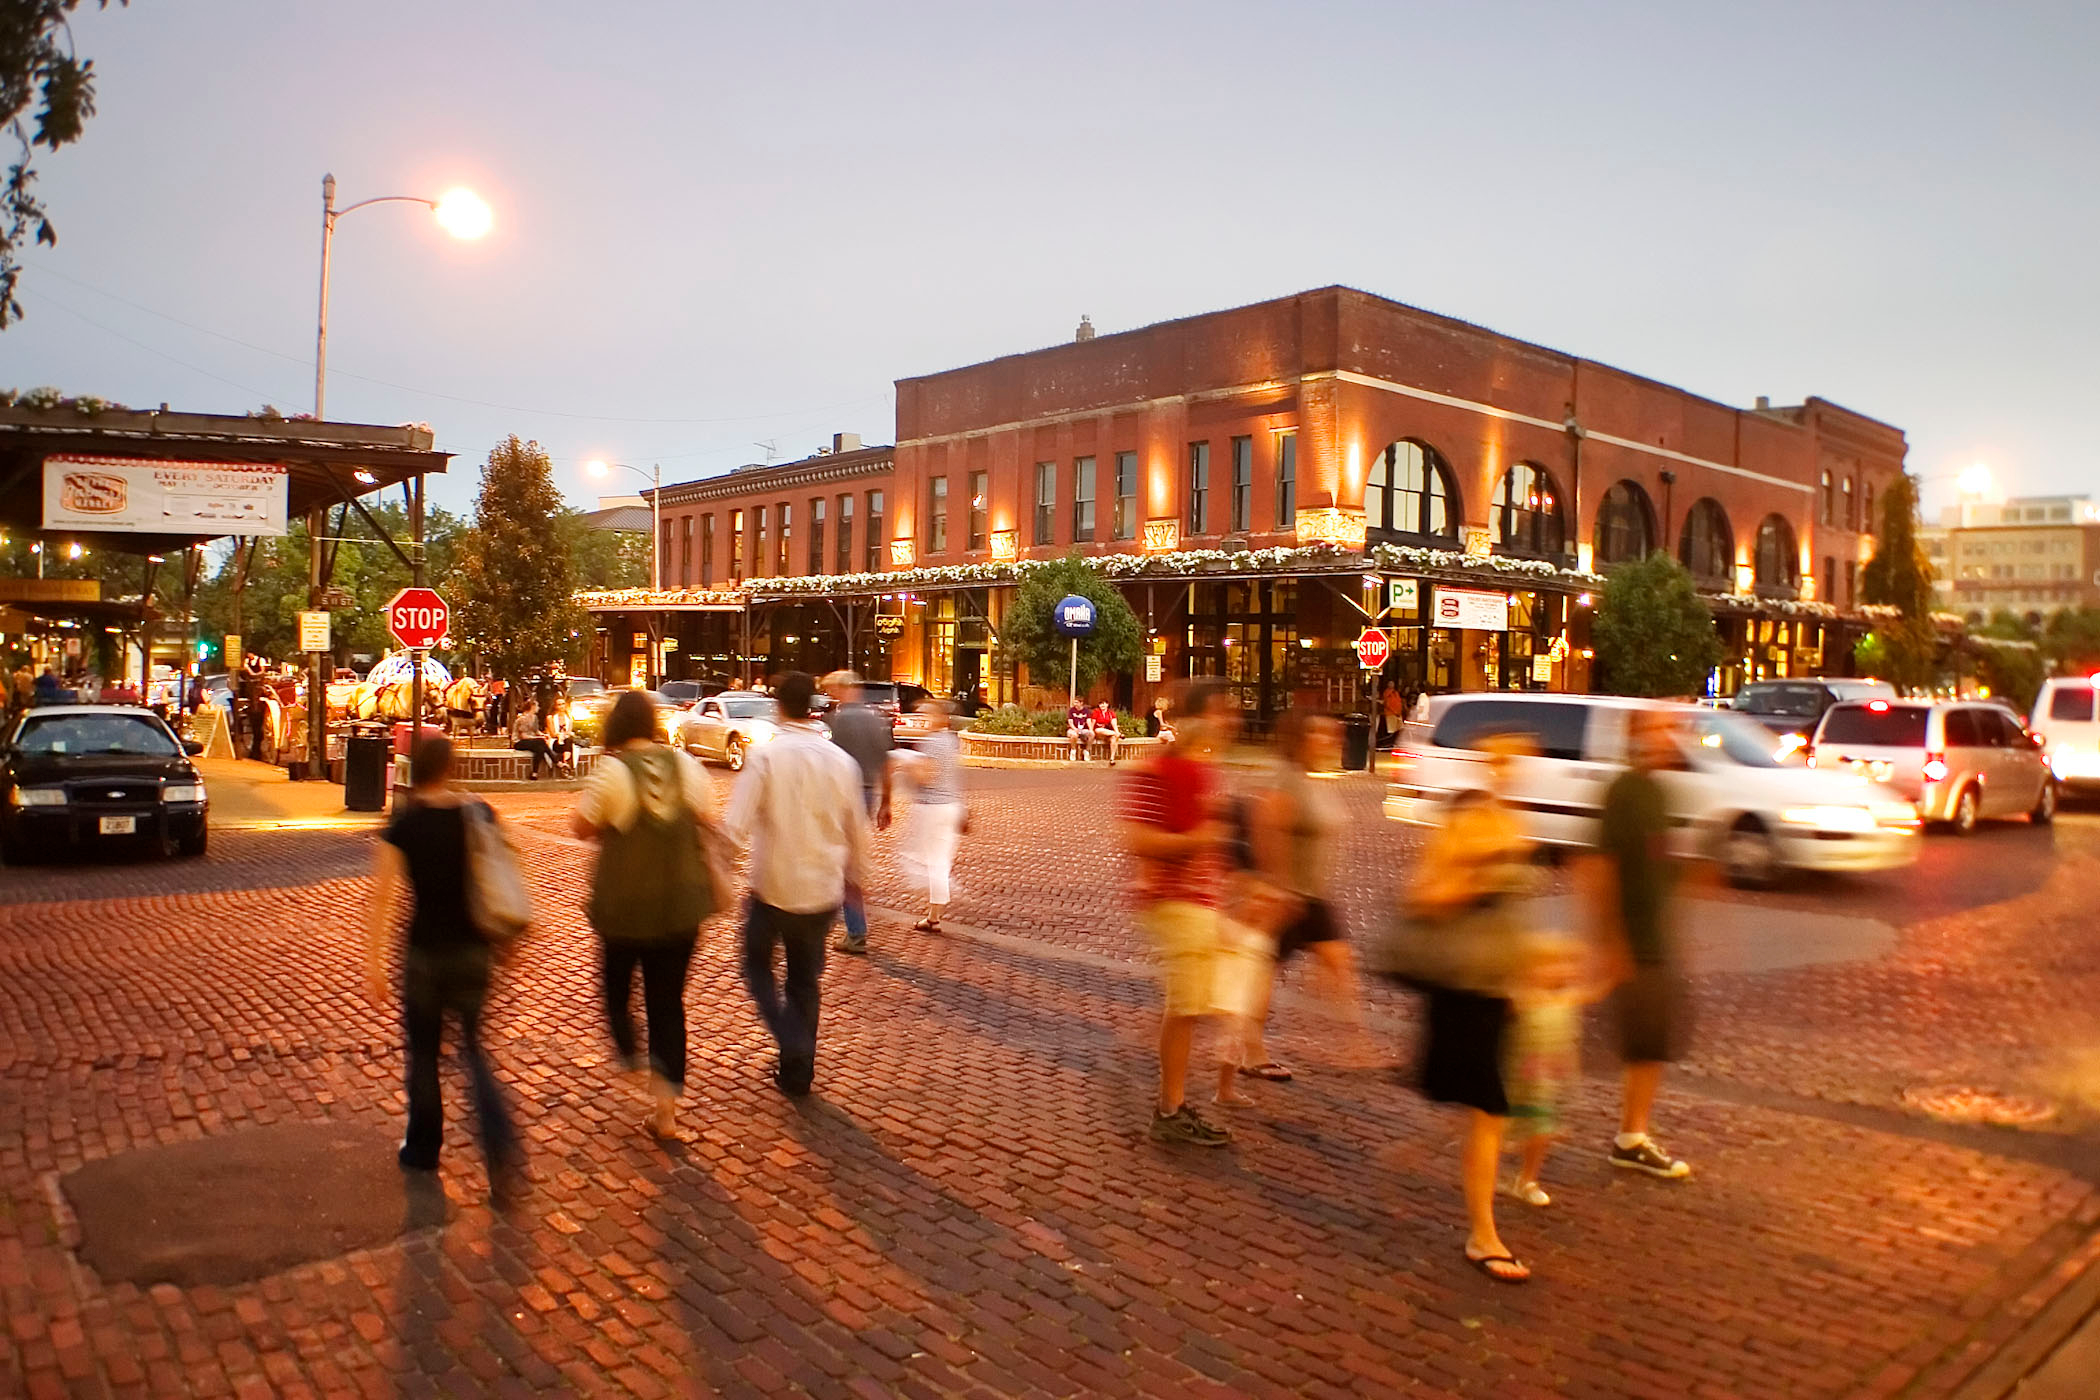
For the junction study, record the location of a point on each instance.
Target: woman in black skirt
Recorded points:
(1473, 870)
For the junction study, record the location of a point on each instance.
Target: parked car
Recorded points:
(1734, 799)
(728, 726)
(2066, 721)
(1791, 708)
(1959, 762)
(96, 777)
(893, 698)
(687, 693)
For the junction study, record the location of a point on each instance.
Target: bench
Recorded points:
(496, 766)
(1036, 748)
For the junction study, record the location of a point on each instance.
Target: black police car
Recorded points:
(88, 778)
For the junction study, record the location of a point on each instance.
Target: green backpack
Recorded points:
(653, 880)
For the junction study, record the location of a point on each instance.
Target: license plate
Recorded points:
(118, 826)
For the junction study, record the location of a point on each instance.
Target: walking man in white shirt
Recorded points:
(798, 810)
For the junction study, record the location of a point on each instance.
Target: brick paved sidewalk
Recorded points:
(967, 1207)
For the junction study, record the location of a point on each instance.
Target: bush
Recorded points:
(1045, 724)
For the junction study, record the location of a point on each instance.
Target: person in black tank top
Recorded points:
(445, 964)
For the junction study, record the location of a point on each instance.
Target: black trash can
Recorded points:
(1356, 743)
(366, 758)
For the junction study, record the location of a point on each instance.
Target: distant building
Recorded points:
(627, 514)
(2029, 555)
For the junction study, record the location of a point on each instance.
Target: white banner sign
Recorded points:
(1478, 612)
(138, 495)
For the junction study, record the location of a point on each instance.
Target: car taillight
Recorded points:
(1935, 769)
(1403, 760)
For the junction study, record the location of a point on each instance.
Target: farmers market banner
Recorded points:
(144, 496)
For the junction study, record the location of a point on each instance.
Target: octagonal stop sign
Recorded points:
(418, 618)
(1372, 648)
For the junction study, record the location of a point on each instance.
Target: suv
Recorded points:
(2065, 722)
(1791, 709)
(1959, 761)
(1731, 797)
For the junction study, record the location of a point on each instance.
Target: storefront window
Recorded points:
(940, 644)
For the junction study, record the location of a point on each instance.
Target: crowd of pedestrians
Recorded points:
(1233, 854)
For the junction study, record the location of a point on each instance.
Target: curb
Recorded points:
(2075, 1307)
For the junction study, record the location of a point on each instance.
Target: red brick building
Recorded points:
(1264, 480)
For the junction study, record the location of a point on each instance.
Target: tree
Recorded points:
(516, 577)
(41, 81)
(2071, 640)
(607, 558)
(1653, 633)
(1047, 653)
(1900, 576)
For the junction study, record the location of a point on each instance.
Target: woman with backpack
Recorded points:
(652, 812)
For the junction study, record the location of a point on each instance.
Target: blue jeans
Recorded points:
(855, 909)
(791, 1018)
(435, 981)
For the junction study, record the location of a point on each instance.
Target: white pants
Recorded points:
(936, 829)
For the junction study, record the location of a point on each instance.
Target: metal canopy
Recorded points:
(322, 459)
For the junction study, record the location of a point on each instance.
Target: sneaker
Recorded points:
(1645, 1156)
(1182, 1125)
(856, 946)
(1529, 1192)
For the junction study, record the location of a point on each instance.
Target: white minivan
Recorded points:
(2066, 722)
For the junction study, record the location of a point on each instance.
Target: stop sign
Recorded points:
(418, 618)
(1372, 648)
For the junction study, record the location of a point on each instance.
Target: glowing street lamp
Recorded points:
(1975, 480)
(599, 467)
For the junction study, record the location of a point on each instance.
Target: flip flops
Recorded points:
(1269, 1070)
(1486, 1264)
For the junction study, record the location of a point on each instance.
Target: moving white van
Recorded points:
(2067, 721)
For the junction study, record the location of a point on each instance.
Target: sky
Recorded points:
(722, 231)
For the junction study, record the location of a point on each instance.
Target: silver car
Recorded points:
(1959, 761)
(728, 726)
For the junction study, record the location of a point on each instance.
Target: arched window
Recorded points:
(1778, 562)
(1625, 524)
(1409, 493)
(1526, 516)
(1707, 546)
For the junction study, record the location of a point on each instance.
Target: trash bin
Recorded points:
(1356, 743)
(365, 772)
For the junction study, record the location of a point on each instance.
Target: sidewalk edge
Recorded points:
(2004, 1371)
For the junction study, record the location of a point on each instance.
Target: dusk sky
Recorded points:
(719, 226)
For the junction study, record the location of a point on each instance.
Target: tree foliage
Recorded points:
(1903, 652)
(1029, 633)
(1654, 635)
(516, 574)
(47, 94)
(607, 558)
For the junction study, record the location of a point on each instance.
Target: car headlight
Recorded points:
(1830, 818)
(182, 792)
(39, 797)
(1894, 813)
(760, 734)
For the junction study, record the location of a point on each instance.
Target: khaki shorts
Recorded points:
(1185, 939)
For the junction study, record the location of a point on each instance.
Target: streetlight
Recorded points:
(598, 466)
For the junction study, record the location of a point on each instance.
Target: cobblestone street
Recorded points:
(968, 1204)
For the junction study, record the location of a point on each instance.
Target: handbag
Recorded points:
(498, 901)
(1476, 949)
(717, 867)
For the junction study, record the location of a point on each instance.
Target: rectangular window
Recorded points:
(664, 560)
(1083, 501)
(937, 515)
(1851, 582)
(758, 542)
(1242, 484)
(980, 499)
(874, 532)
(1125, 523)
(846, 534)
(736, 546)
(816, 535)
(1199, 488)
(685, 552)
(780, 560)
(1287, 478)
(707, 551)
(1045, 503)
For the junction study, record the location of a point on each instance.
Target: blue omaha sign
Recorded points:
(1073, 616)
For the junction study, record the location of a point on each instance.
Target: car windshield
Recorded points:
(1886, 726)
(1731, 738)
(583, 685)
(96, 734)
(878, 693)
(1794, 701)
(754, 708)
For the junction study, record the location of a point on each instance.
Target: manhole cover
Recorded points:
(1961, 1103)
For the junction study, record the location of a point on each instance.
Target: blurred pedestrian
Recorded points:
(1633, 884)
(1297, 823)
(1462, 901)
(1176, 827)
(447, 964)
(800, 812)
(651, 810)
(939, 818)
(1541, 1057)
(864, 733)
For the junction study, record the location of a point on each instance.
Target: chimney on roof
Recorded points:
(845, 442)
(1086, 328)
(1764, 403)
